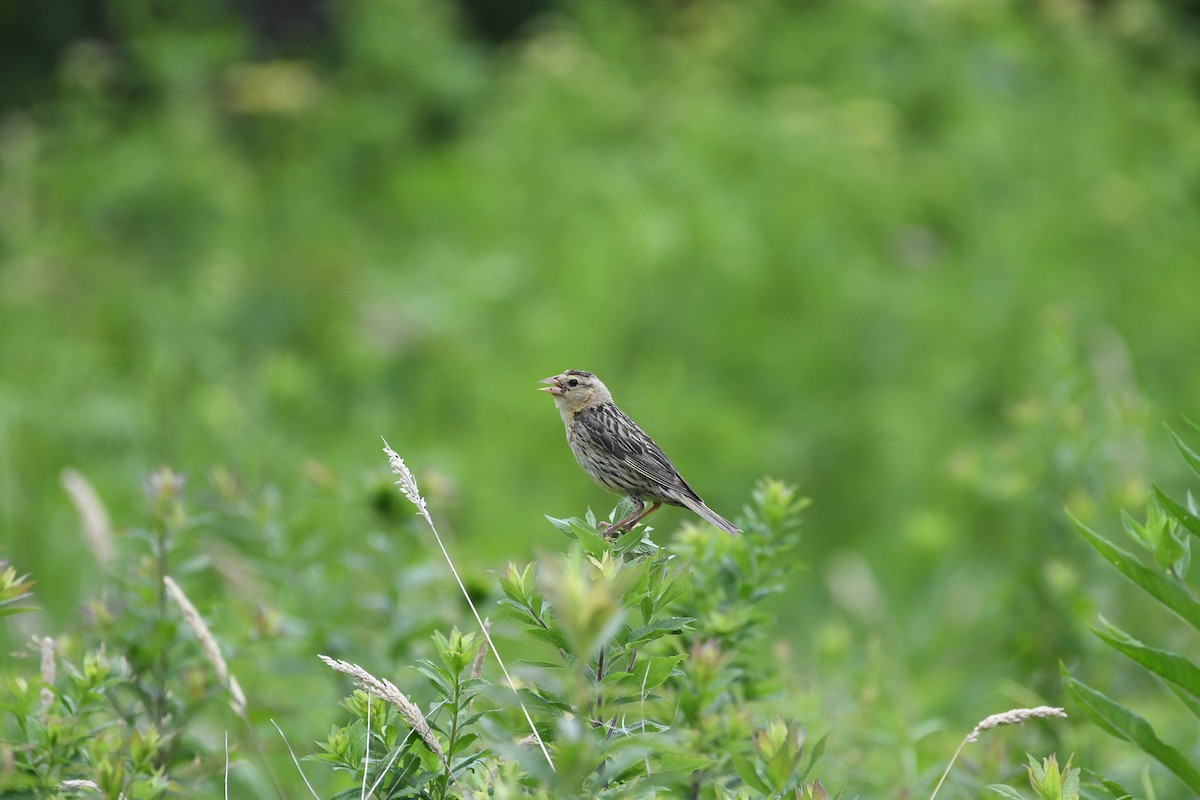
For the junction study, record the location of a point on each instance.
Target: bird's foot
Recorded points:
(610, 530)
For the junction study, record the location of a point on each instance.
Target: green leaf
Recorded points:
(782, 767)
(814, 756)
(535, 664)
(551, 636)
(622, 510)
(675, 768)
(1189, 455)
(563, 525)
(746, 771)
(672, 762)
(463, 742)
(653, 671)
(1172, 667)
(441, 682)
(545, 701)
(1188, 700)
(1185, 517)
(660, 628)
(629, 541)
(1167, 592)
(1125, 724)
(1070, 789)
(462, 766)
(1136, 531)
(617, 678)
(594, 543)
(518, 612)
(1116, 790)
(517, 583)
(1005, 791)
(473, 718)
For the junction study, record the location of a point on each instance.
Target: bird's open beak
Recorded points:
(554, 388)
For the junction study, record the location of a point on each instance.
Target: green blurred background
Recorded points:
(934, 262)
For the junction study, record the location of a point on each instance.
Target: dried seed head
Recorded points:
(1015, 716)
(408, 485)
(239, 697)
(97, 529)
(49, 671)
(208, 644)
(407, 482)
(388, 691)
(77, 785)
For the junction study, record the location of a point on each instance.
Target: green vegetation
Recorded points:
(934, 263)
(1167, 538)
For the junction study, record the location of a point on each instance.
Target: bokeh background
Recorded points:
(934, 262)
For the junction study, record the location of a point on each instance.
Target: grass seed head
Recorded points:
(382, 687)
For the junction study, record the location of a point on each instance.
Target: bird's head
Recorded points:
(575, 390)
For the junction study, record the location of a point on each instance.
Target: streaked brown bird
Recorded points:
(619, 455)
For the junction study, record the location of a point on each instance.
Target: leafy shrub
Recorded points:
(641, 672)
(1166, 539)
(116, 709)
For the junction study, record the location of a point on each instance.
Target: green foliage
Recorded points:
(372, 751)
(1166, 538)
(1119, 721)
(67, 726)
(1047, 780)
(121, 704)
(14, 590)
(637, 687)
(905, 254)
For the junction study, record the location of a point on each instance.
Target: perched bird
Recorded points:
(618, 454)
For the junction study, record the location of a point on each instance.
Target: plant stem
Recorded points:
(953, 758)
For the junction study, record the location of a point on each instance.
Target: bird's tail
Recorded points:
(711, 516)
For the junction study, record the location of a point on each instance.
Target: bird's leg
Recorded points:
(630, 522)
(625, 524)
(644, 515)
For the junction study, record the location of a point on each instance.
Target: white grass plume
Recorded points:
(382, 687)
(408, 486)
(1014, 716)
(49, 670)
(208, 644)
(81, 785)
(212, 651)
(97, 529)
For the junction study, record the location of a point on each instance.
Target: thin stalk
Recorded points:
(408, 486)
(455, 709)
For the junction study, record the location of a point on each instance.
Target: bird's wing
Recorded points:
(610, 429)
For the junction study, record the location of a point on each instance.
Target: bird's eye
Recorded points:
(572, 383)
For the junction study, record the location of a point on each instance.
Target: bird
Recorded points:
(619, 455)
